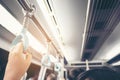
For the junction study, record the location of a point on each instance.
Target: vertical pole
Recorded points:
(87, 65)
(42, 73)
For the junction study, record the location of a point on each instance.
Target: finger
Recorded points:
(28, 58)
(18, 48)
(12, 48)
(27, 51)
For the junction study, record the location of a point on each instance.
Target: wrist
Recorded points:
(9, 75)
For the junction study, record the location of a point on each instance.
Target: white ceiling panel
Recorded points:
(71, 16)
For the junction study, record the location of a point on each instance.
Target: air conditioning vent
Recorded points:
(107, 4)
(48, 3)
(90, 63)
(91, 42)
(54, 19)
(83, 64)
(99, 26)
(86, 55)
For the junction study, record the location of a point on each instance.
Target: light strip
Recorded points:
(116, 64)
(84, 34)
(11, 24)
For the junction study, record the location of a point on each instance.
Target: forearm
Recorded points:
(11, 75)
(17, 65)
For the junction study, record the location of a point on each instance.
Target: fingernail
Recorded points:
(24, 52)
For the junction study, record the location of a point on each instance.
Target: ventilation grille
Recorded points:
(91, 42)
(103, 18)
(106, 4)
(99, 26)
(49, 5)
(86, 55)
(83, 64)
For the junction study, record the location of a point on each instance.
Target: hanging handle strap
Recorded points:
(22, 36)
(87, 65)
(42, 73)
(45, 63)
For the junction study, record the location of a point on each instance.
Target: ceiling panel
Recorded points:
(71, 15)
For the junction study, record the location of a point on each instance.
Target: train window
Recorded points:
(3, 62)
(33, 71)
(66, 75)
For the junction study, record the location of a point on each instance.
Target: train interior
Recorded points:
(66, 34)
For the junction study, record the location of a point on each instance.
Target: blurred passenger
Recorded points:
(35, 77)
(89, 78)
(51, 76)
(74, 73)
(99, 74)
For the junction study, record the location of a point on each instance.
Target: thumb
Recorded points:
(28, 58)
(18, 48)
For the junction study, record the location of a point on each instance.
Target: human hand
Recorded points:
(18, 63)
